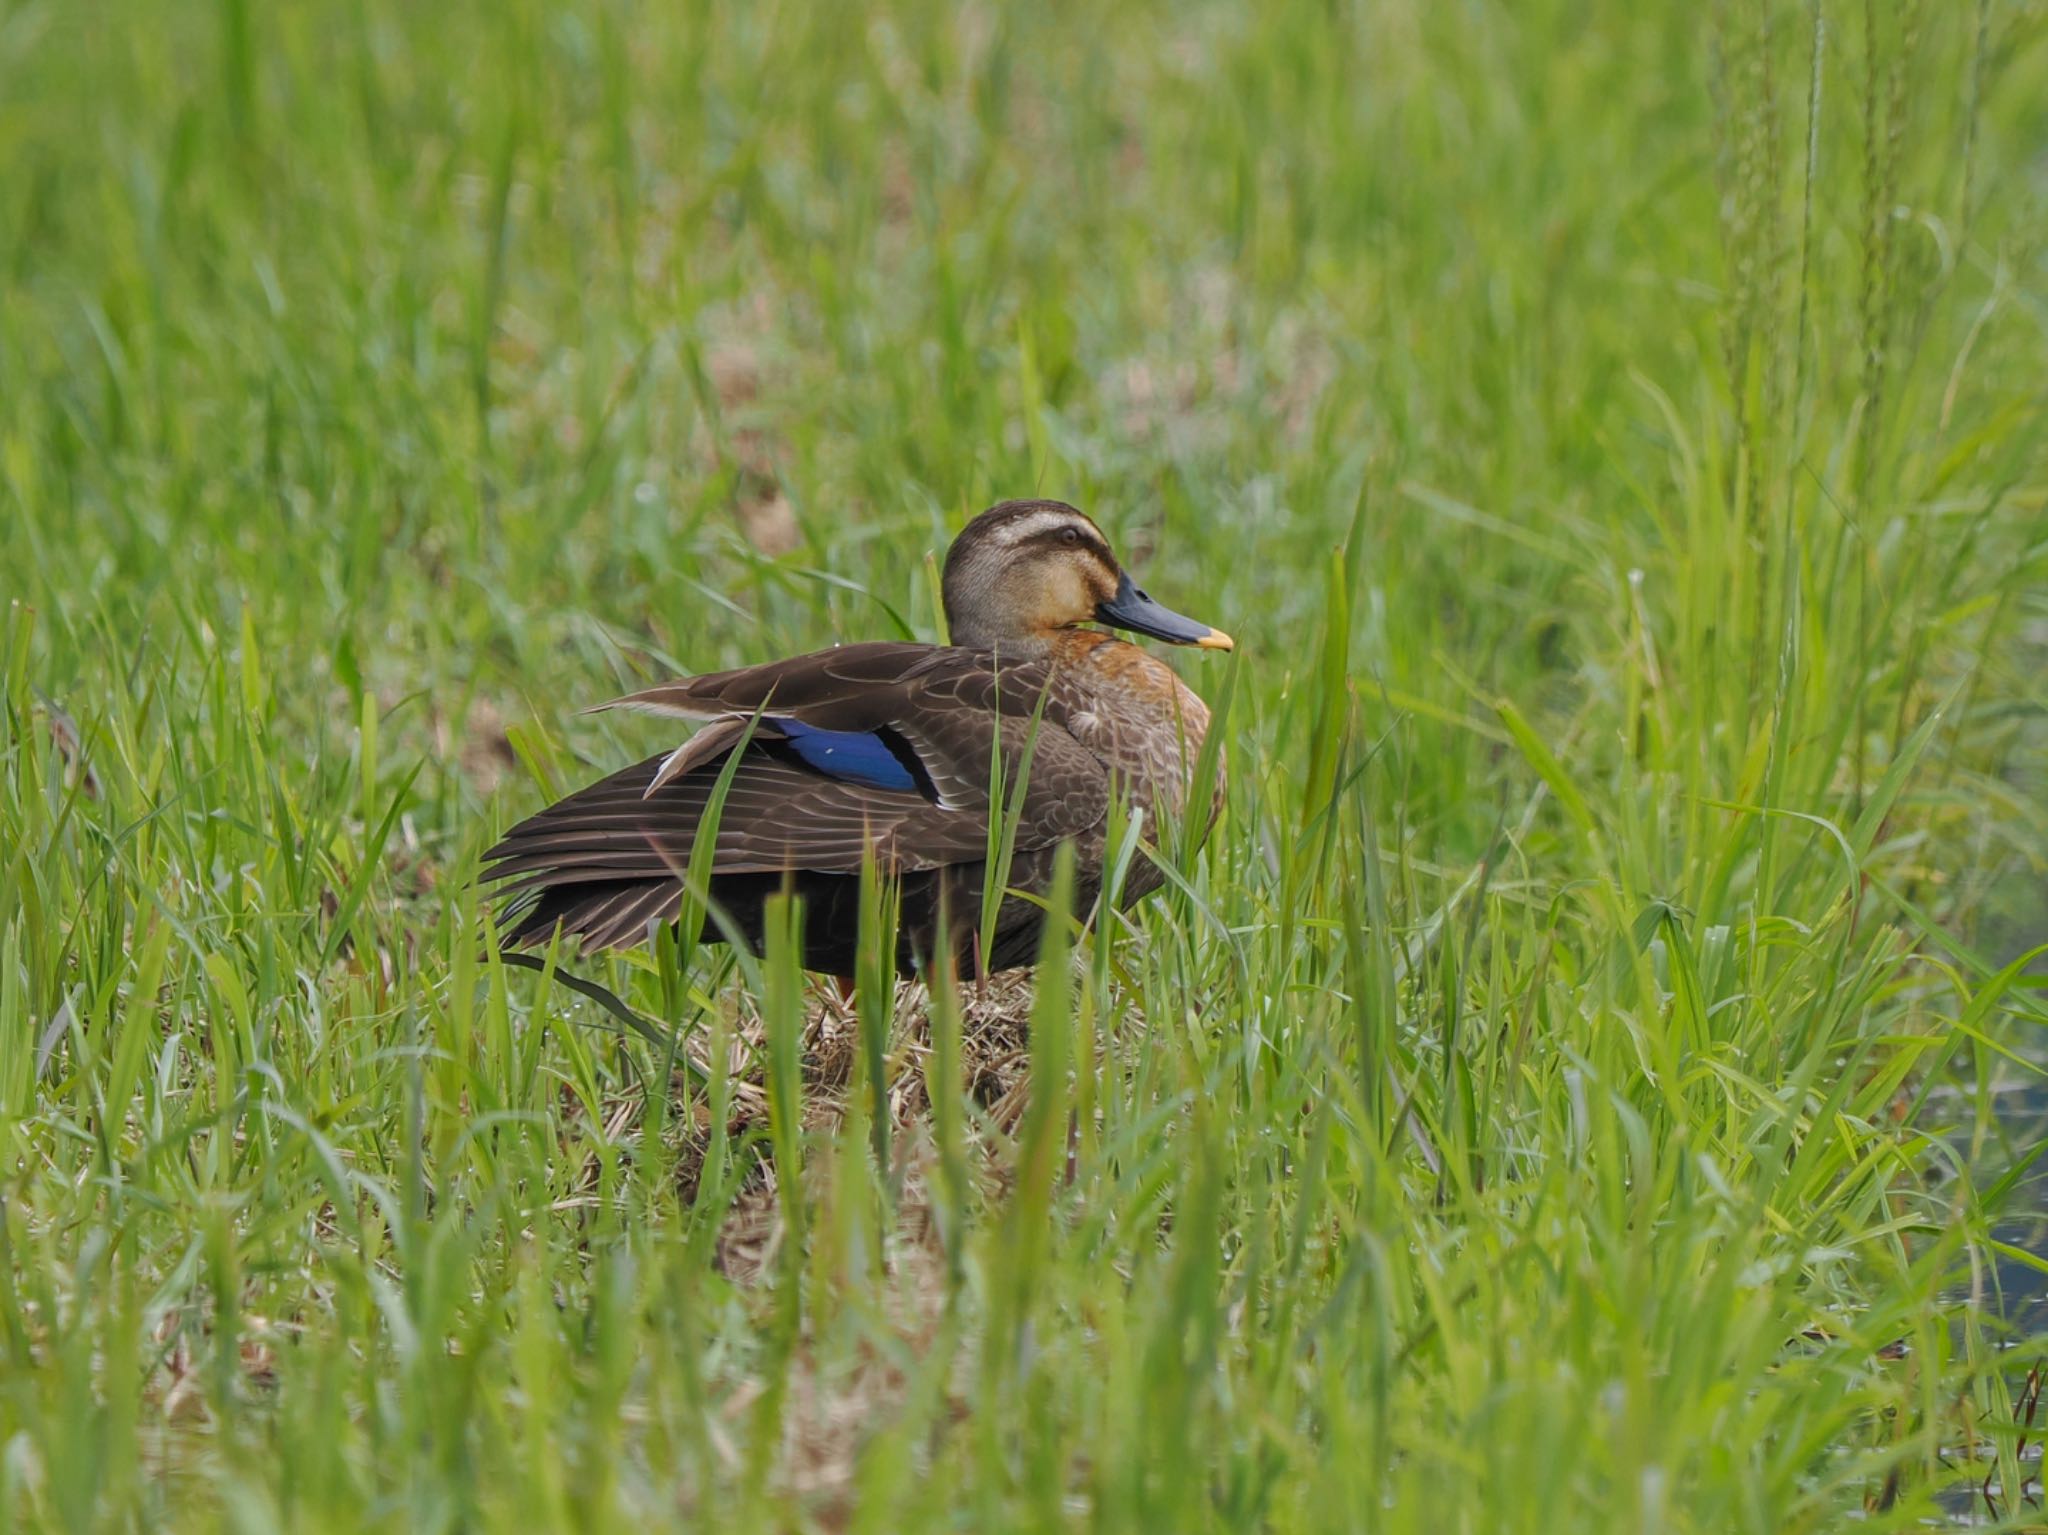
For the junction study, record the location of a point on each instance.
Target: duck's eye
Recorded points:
(1070, 536)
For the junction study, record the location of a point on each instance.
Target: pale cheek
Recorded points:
(1059, 597)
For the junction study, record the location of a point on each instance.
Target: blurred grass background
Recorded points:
(1585, 1083)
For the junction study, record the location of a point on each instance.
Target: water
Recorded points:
(2012, 1297)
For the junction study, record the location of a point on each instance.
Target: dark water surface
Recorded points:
(1993, 1130)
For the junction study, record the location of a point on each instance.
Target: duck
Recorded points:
(886, 750)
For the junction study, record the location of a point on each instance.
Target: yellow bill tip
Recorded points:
(1216, 639)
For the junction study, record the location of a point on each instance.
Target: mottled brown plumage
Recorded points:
(891, 747)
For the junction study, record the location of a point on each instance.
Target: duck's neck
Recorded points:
(1009, 645)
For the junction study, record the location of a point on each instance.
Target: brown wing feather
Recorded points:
(951, 706)
(778, 815)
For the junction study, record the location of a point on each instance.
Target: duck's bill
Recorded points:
(1131, 609)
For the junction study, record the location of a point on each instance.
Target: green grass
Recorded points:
(1615, 437)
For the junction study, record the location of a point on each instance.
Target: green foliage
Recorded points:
(1573, 1088)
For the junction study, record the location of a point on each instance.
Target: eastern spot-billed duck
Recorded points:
(889, 746)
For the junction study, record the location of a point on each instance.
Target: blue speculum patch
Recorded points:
(852, 756)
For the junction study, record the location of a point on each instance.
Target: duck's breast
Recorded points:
(1136, 716)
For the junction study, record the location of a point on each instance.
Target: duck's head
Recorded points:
(1023, 569)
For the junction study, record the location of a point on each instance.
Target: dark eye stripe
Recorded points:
(1055, 538)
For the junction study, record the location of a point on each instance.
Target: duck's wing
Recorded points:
(889, 747)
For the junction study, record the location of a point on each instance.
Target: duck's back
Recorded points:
(883, 752)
